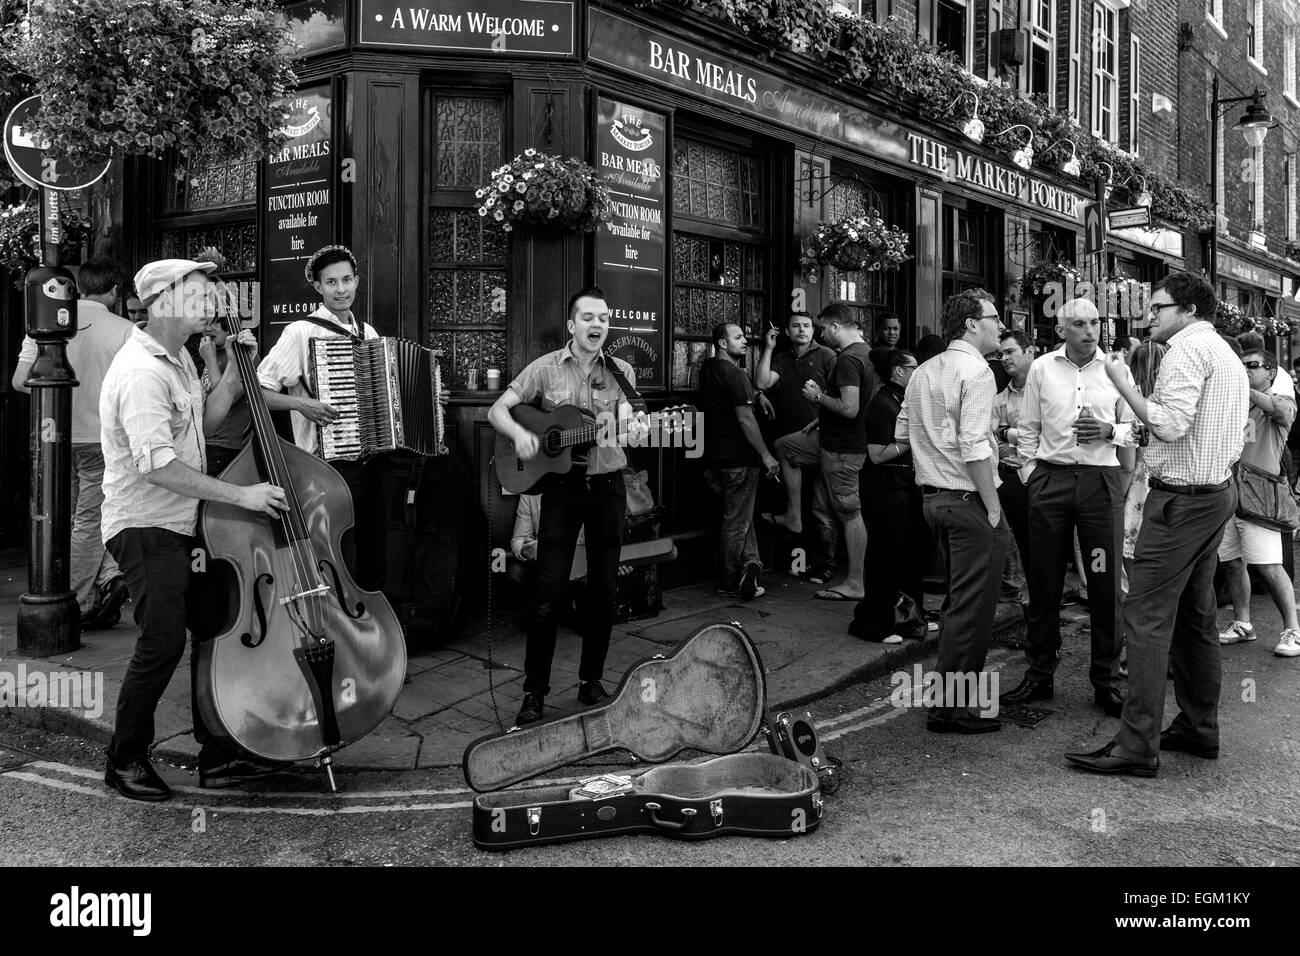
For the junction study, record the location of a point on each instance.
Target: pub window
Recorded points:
(1040, 25)
(867, 293)
(1134, 92)
(1076, 57)
(1105, 70)
(215, 205)
(966, 249)
(467, 281)
(721, 243)
(952, 28)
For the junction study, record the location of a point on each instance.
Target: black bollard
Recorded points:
(49, 621)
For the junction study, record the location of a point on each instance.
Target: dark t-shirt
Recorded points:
(881, 417)
(793, 411)
(852, 368)
(723, 386)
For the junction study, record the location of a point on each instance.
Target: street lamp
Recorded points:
(1254, 127)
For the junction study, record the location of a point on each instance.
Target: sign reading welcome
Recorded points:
(494, 26)
(632, 152)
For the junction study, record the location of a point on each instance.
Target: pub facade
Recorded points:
(723, 157)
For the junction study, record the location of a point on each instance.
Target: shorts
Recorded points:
(1257, 544)
(801, 449)
(841, 470)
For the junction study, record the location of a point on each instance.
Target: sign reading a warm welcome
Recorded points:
(501, 26)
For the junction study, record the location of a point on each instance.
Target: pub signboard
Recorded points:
(537, 27)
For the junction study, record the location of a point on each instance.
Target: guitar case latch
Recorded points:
(534, 820)
(715, 808)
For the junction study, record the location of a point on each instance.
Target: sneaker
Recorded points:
(749, 588)
(1289, 646)
(1237, 632)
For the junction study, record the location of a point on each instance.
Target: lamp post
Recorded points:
(1254, 126)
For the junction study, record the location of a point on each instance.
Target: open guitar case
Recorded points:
(708, 695)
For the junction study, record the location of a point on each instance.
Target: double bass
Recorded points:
(309, 663)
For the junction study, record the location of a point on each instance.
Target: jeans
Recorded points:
(598, 503)
(90, 566)
(737, 543)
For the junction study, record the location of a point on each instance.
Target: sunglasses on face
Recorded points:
(1254, 365)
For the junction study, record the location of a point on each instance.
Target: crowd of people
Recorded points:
(1120, 462)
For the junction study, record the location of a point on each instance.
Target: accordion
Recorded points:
(386, 393)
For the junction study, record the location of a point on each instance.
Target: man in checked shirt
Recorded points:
(1197, 417)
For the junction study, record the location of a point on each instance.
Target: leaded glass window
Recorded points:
(214, 204)
(467, 281)
(869, 293)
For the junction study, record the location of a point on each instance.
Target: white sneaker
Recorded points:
(898, 639)
(1236, 633)
(1289, 646)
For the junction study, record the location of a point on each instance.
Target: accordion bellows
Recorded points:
(386, 393)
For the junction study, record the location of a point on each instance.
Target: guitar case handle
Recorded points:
(688, 813)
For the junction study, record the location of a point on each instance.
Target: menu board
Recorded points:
(631, 153)
(298, 209)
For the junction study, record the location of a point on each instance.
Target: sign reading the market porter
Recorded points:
(493, 26)
(297, 214)
(631, 154)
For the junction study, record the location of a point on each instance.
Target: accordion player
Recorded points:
(386, 393)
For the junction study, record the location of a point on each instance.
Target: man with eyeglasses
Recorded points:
(1197, 418)
(1248, 542)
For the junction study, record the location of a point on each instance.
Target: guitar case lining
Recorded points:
(709, 695)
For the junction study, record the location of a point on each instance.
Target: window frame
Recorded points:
(1042, 38)
(968, 30)
(1075, 78)
(1101, 80)
(1255, 35)
(1134, 93)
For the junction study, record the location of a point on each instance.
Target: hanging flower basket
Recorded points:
(856, 244)
(20, 247)
(538, 189)
(208, 79)
(1233, 320)
(1038, 279)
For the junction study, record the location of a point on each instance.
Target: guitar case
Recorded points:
(708, 695)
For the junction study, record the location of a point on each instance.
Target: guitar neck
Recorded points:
(585, 434)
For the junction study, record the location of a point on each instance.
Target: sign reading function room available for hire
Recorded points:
(631, 153)
(543, 27)
(297, 211)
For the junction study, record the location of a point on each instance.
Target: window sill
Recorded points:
(1257, 65)
(1214, 25)
(1290, 98)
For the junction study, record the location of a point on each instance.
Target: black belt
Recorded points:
(1158, 485)
(932, 490)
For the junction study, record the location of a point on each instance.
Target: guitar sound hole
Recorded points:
(551, 443)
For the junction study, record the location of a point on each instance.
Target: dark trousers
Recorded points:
(737, 543)
(1088, 498)
(365, 547)
(156, 564)
(600, 504)
(973, 555)
(1170, 611)
(899, 547)
(1015, 505)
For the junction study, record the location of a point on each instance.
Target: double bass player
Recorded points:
(153, 415)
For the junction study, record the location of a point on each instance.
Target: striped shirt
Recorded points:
(1198, 410)
(288, 366)
(151, 414)
(947, 417)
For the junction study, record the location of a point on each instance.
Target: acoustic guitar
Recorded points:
(569, 428)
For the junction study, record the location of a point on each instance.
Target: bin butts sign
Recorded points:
(544, 27)
(631, 153)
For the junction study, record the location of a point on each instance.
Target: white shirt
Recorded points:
(1055, 391)
(288, 365)
(151, 414)
(947, 417)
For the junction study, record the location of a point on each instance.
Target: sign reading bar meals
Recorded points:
(545, 27)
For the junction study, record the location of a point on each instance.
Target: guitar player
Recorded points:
(578, 374)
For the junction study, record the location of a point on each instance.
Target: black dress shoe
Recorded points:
(137, 780)
(1028, 690)
(227, 769)
(530, 711)
(1106, 761)
(114, 595)
(592, 692)
(963, 725)
(1171, 740)
(1109, 700)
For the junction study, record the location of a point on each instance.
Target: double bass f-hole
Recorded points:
(326, 565)
(247, 639)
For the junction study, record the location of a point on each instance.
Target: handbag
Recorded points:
(1265, 499)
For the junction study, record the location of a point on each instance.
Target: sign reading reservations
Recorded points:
(493, 26)
(631, 153)
(298, 210)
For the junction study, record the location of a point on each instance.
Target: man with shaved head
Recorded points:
(1075, 439)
